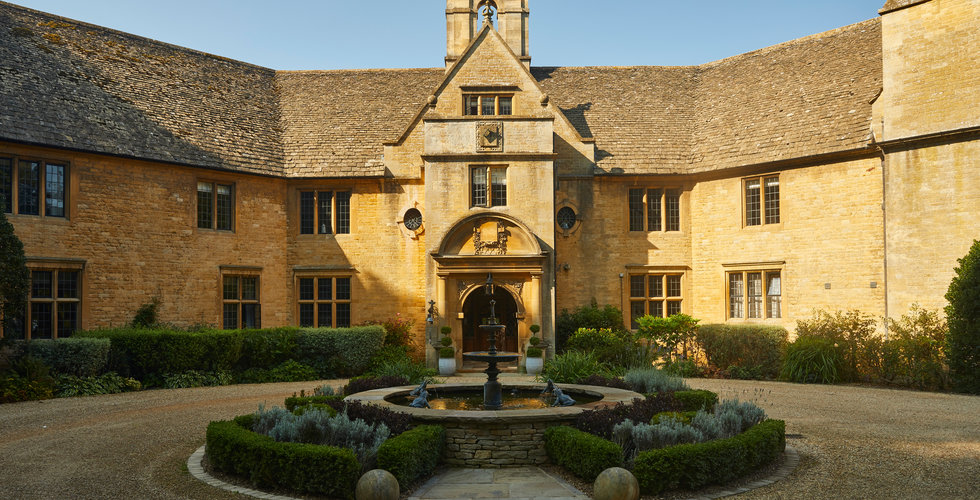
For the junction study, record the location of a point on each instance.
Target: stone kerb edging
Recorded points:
(610, 397)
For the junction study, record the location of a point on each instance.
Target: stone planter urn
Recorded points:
(533, 365)
(447, 366)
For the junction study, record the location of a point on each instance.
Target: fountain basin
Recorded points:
(496, 438)
(487, 356)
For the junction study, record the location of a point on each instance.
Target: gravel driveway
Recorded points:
(854, 442)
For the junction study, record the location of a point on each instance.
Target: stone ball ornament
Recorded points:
(377, 484)
(616, 483)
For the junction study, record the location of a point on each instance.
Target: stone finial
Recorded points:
(545, 99)
(488, 13)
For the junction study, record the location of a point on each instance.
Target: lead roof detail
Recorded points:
(72, 85)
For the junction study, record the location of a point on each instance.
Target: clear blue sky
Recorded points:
(335, 34)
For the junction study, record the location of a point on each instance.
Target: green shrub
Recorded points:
(813, 360)
(692, 466)
(683, 417)
(81, 357)
(651, 381)
(150, 354)
(68, 386)
(234, 449)
(613, 347)
(266, 349)
(694, 400)
(581, 453)
(294, 402)
(193, 378)
(29, 379)
(534, 352)
(913, 355)
(963, 315)
(366, 383)
(15, 278)
(288, 371)
(413, 455)
(572, 366)
(339, 351)
(753, 349)
(591, 316)
(850, 333)
(415, 372)
(146, 314)
(667, 333)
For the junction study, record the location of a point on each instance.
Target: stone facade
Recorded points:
(870, 130)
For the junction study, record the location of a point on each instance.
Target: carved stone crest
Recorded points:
(496, 246)
(489, 136)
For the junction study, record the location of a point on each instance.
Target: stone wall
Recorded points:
(493, 446)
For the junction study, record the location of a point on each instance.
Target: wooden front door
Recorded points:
(476, 312)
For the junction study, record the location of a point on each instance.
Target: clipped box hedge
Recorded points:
(692, 466)
(234, 449)
(583, 454)
(294, 402)
(694, 400)
(414, 454)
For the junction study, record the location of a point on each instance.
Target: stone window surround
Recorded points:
(56, 265)
(240, 272)
(336, 217)
(669, 217)
(765, 269)
(646, 272)
(488, 186)
(317, 273)
(213, 223)
(767, 202)
(481, 96)
(14, 165)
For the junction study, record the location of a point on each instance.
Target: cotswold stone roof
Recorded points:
(72, 85)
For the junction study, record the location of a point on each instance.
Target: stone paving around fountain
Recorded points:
(518, 483)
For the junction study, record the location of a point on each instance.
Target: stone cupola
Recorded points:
(465, 18)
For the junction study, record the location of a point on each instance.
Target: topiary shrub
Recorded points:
(692, 466)
(756, 350)
(81, 357)
(581, 453)
(233, 448)
(695, 400)
(963, 316)
(413, 455)
(813, 360)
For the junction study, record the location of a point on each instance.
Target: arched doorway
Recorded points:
(476, 311)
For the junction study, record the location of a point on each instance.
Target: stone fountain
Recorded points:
(492, 391)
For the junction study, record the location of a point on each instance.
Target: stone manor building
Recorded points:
(836, 171)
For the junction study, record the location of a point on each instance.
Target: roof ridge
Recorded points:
(358, 70)
(126, 34)
(789, 43)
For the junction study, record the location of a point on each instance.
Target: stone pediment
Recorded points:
(489, 235)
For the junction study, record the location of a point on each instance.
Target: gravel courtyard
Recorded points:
(854, 442)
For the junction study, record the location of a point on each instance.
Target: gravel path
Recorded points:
(855, 442)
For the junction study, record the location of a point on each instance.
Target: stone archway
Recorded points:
(476, 311)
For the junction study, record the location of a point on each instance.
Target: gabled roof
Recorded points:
(72, 85)
(82, 87)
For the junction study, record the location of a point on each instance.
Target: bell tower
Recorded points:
(465, 18)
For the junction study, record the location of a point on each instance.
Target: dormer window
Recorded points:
(487, 105)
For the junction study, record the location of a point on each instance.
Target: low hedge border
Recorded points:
(692, 466)
(234, 449)
(583, 454)
(299, 401)
(414, 454)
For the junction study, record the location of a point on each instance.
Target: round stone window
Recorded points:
(413, 219)
(565, 218)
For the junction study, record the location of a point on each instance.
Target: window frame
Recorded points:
(480, 96)
(338, 223)
(214, 205)
(42, 186)
(488, 193)
(767, 300)
(333, 302)
(665, 300)
(240, 273)
(55, 267)
(769, 209)
(667, 209)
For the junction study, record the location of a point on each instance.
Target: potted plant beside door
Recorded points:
(533, 356)
(447, 355)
